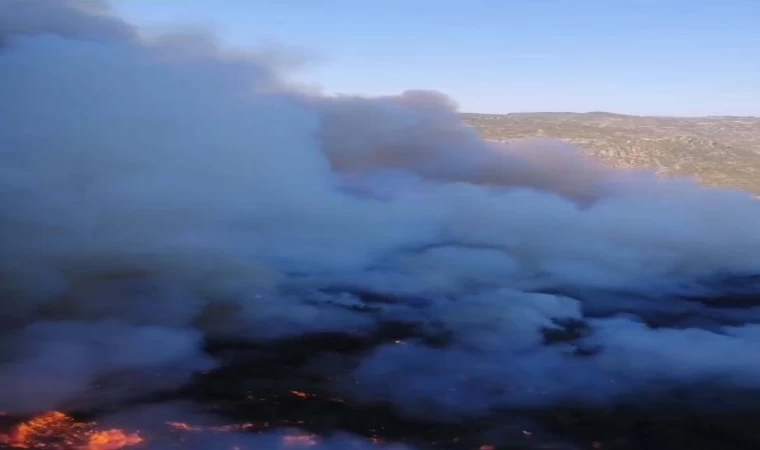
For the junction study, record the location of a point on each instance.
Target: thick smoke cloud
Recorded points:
(75, 19)
(159, 191)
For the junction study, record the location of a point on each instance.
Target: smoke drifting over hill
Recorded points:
(159, 192)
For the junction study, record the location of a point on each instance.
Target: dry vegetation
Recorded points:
(718, 151)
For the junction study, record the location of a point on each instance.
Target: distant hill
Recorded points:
(719, 151)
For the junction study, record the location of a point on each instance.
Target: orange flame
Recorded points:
(56, 430)
(112, 440)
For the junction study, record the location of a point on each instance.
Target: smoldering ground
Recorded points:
(160, 192)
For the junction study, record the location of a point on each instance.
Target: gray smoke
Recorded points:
(74, 19)
(157, 191)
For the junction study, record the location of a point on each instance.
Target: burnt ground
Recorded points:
(275, 384)
(281, 384)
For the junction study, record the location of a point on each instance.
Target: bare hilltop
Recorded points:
(719, 151)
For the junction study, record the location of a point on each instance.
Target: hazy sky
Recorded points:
(682, 57)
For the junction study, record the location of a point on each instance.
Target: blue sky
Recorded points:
(669, 57)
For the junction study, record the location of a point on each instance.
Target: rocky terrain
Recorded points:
(718, 151)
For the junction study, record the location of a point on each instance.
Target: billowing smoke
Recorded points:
(160, 192)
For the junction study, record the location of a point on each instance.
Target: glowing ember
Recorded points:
(298, 440)
(302, 394)
(181, 426)
(55, 430)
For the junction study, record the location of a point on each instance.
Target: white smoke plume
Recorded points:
(159, 191)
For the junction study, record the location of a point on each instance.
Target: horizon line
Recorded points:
(662, 116)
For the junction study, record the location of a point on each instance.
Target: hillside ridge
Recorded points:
(719, 151)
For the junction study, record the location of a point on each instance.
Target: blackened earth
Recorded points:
(283, 384)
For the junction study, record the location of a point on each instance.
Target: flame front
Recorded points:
(56, 430)
(112, 440)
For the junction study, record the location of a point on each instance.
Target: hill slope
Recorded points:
(718, 151)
